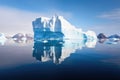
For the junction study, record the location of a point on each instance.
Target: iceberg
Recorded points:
(58, 28)
(2, 39)
(48, 34)
(55, 39)
(91, 39)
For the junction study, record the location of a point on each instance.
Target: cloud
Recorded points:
(113, 15)
(67, 15)
(110, 24)
(107, 28)
(13, 20)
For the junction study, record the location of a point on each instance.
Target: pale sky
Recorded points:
(16, 16)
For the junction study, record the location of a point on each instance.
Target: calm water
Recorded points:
(72, 60)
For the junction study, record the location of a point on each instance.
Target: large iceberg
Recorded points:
(48, 32)
(58, 28)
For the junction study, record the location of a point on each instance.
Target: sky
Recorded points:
(101, 16)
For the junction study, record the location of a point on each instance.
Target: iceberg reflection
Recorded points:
(109, 41)
(47, 51)
(57, 52)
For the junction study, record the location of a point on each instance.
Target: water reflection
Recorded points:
(47, 51)
(56, 52)
(12, 41)
(101, 40)
(23, 41)
(108, 41)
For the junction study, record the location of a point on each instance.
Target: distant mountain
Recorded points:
(114, 38)
(23, 38)
(29, 36)
(101, 36)
(18, 36)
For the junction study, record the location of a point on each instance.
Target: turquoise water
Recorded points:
(73, 60)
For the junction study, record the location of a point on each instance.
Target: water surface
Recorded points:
(73, 60)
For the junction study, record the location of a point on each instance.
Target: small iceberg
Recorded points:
(2, 39)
